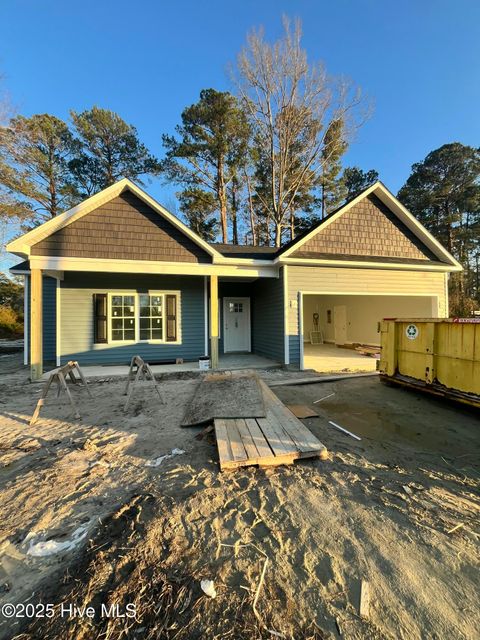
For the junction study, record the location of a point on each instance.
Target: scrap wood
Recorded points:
(302, 411)
(364, 608)
(59, 376)
(316, 379)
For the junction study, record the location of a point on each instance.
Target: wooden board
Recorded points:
(280, 438)
(302, 411)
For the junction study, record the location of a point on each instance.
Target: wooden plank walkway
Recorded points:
(279, 438)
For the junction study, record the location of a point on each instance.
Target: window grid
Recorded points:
(123, 318)
(151, 317)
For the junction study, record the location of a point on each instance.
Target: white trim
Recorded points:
(379, 189)
(19, 272)
(58, 324)
(369, 293)
(446, 312)
(205, 311)
(400, 266)
(105, 265)
(244, 299)
(26, 317)
(23, 244)
(300, 328)
(286, 317)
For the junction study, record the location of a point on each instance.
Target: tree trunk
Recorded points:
(234, 212)
(222, 199)
(292, 224)
(278, 233)
(253, 226)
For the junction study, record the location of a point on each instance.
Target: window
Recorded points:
(133, 317)
(123, 317)
(151, 317)
(329, 316)
(235, 307)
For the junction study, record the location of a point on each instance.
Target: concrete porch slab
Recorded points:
(227, 362)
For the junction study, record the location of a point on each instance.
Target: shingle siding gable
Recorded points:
(368, 228)
(123, 228)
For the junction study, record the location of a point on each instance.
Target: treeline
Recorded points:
(254, 166)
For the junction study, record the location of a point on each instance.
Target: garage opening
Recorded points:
(342, 332)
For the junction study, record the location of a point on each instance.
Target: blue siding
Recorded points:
(294, 343)
(49, 321)
(49, 307)
(268, 318)
(77, 318)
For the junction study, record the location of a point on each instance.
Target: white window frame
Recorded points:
(136, 295)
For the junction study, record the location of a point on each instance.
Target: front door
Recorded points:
(236, 324)
(340, 323)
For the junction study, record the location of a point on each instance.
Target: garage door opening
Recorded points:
(339, 329)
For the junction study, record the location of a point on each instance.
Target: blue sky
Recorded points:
(418, 60)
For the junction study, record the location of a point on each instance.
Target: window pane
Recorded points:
(128, 311)
(144, 334)
(144, 323)
(117, 323)
(145, 311)
(129, 334)
(116, 301)
(156, 334)
(156, 311)
(117, 334)
(144, 300)
(156, 300)
(117, 311)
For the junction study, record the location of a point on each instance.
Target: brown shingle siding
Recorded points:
(124, 228)
(369, 228)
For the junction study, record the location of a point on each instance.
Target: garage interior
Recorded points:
(337, 327)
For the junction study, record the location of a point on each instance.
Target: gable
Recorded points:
(368, 229)
(125, 228)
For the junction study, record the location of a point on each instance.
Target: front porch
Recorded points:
(227, 362)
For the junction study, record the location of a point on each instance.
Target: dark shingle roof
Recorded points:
(245, 251)
(21, 266)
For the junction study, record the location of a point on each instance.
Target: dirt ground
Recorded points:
(93, 515)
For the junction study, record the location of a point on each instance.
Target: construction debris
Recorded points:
(324, 398)
(302, 411)
(59, 376)
(337, 426)
(143, 372)
(279, 438)
(364, 608)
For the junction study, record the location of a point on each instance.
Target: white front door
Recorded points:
(236, 324)
(340, 323)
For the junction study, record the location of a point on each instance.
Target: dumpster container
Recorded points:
(438, 355)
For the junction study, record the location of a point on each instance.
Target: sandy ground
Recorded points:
(125, 528)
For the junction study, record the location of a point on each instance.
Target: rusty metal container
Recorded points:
(439, 355)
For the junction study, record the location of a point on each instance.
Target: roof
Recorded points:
(443, 257)
(21, 267)
(245, 251)
(21, 246)
(222, 252)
